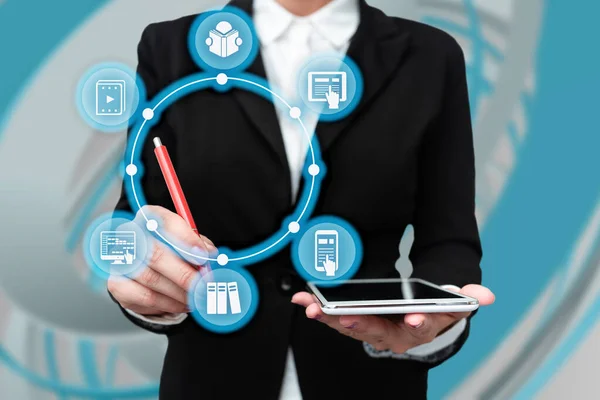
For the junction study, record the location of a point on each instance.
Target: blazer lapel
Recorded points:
(258, 110)
(377, 48)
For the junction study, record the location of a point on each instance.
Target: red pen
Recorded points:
(168, 171)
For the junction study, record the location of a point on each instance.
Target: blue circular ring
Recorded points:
(249, 82)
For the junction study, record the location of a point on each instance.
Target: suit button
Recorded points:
(285, 283)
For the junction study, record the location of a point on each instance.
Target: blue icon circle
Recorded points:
(329, 249)
(223, 40)
(331, 86)
(223, 300)
(108, 96)
(115, 245)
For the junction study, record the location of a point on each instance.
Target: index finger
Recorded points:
(170, 265)
(175, 228)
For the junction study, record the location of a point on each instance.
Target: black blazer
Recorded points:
(404, 156)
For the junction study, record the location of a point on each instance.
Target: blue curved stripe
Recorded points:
(87, 361)
(100, 192)
(479, 45)
(51, 362)
(111, 365)
(63, 389)
(550, 195)
(31, 30)
(561, 354)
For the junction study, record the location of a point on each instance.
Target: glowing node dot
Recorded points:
(148, 114)
(152, 225)
(295, 112)
(314, 170)
(221, 79)
(222, 259)
(294, 227)
(131, 170)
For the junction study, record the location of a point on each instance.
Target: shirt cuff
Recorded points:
(166, 319)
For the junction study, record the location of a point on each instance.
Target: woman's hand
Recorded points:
(162, 286)
(397, 336)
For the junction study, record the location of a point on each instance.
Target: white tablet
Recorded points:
(388, 296)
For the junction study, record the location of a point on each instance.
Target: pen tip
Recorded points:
(157, 142)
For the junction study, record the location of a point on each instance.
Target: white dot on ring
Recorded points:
(131, 170)
(152, 225)
(295, 112)
(148, 114)
(222, 259)
(294, 227)
(314, 169)
(222, 79)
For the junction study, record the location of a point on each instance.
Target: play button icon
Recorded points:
(110, 97)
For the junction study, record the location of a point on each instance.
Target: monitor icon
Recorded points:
(118, 246)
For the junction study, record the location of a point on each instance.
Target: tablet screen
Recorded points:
(391, 290)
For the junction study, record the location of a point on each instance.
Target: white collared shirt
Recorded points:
(287, 43)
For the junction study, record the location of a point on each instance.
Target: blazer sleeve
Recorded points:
(152, 181)
(447, 247)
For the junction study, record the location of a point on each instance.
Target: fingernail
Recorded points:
(209, 246)
(420, 324)
(354, 324)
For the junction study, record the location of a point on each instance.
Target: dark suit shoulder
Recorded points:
(164, 45)
(167, 33)
(431, 40)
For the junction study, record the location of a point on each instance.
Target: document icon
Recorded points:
(320, 84)
(326, 251)
(110, 97)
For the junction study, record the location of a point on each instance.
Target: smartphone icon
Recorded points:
(326, 247)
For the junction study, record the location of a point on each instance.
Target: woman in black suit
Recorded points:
(403, 156)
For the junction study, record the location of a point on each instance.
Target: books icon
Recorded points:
(216, 299)
(224, 40)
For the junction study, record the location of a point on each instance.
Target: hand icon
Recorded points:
(333, 99)
(128, 258)
(330, 266)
